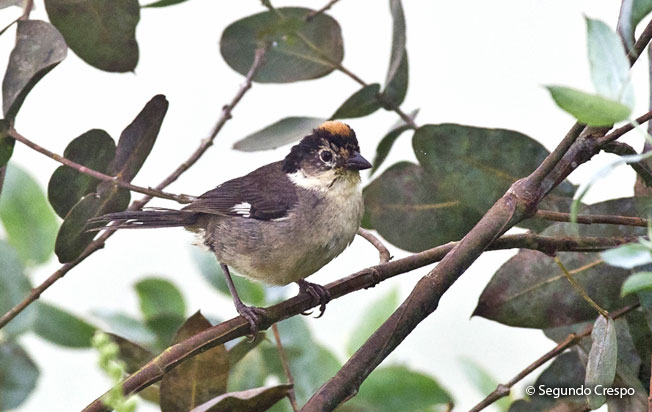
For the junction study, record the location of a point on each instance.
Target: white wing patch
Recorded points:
(243, 209)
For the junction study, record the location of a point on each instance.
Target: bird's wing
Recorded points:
(266, 193)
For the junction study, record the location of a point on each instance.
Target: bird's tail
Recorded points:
(145, 219)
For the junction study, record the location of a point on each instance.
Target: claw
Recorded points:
(254, 315)
(318, 292)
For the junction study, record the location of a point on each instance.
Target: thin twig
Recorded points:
(99, 242)
(580, 289)
(286, 367)
(383, 253)
(591, 219)
(3, 174)
(641, 168)
(322, 10)
(571, 340)
(28, 5)
(238, 326)
(617, 133)
(98, 175)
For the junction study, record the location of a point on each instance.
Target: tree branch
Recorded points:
(286, 367)
(383, 253)
(98, 175)
(617, 133)
(99, 242)
(519, 202)
(322, 10)
(641, 168)
(591, 219)
(363, 279)
(571, 340)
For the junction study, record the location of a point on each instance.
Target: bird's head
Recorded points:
(330, 153)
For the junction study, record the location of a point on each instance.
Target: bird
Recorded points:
(280, 223)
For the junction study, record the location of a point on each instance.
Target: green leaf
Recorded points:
(63, 328)
(638, 282)
(39, 48)
(101, 33)
(396, 81)
(199, 379)
(94, 149)
(628, 256)
(609, 63)
(19, 375)
(399, 389)
(377, 313)
(591, 109)
(601, 367)
(6, 143)
(406, 206)
(289, 58)
(164, 326)
(242, 348)
(256, 399)
(250, 292)
(27, 217)
(128, 327)
(386, 143)
(631, 14)
(478, 165)
(163, 3)
(14, 287)
(285, 131)
(159, 297)
(137, 139)
(483, 381)
(362, 103)
(133, 355)
(74, 235)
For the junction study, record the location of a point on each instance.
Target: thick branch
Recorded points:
(98, 175)
(366, 278)
(571, 340)
(591, 219)
(99, 242)
(520, 201)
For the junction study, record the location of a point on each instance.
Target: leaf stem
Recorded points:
(286, 367)
(580, 289)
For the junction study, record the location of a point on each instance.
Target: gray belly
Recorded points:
(284, 251)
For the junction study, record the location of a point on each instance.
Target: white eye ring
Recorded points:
(326, 156)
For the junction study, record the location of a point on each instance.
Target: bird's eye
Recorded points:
(326, 156)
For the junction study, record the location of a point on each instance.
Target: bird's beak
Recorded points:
(357, 162)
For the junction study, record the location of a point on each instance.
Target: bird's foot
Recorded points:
(254, 315)
(318, 292)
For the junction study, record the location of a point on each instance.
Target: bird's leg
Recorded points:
(252, 314)
(320, 293)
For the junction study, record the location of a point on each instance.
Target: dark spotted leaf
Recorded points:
(396, 81)
(601, 367)
(477, 164)
(361, 103)
(529, 290)
(14, 287)
(406, 206)
(19, 375)
(250, 400)
(199, 379)
(29, 222)
(289, 58)
(164, 3)
(39, 48)
(62, 327)
(94, 149)
(6, 143)
(565, 371)
(285, 131)
(137, 139)
(398, 389)
(101, 33)
(387, 142)
(74, 235)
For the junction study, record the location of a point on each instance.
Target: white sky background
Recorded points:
(471, 62)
